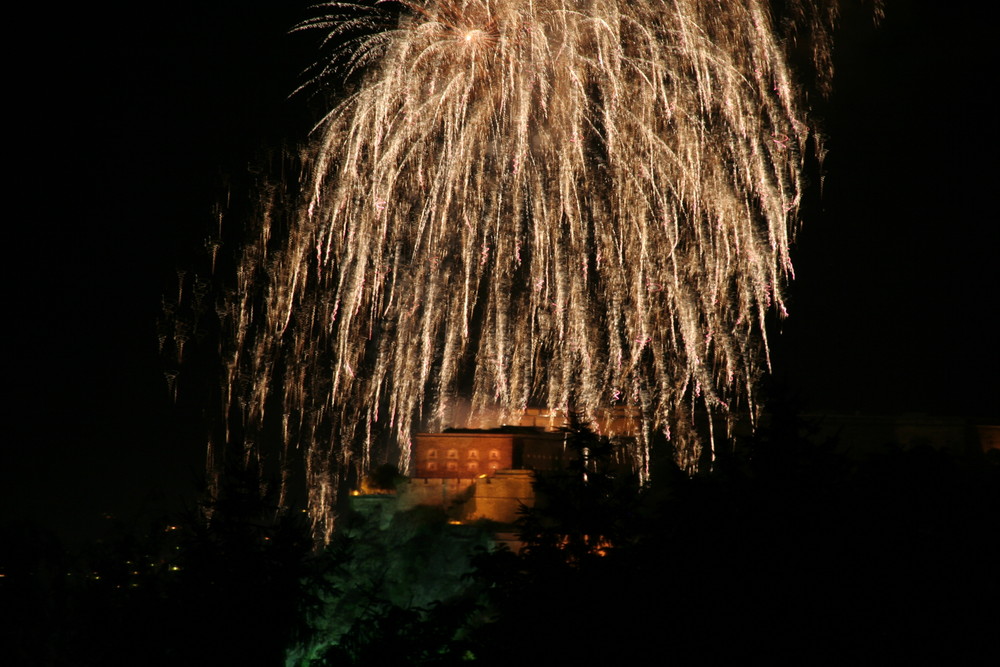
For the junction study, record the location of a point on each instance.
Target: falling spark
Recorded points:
(546, 203)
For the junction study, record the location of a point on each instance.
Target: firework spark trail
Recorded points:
(533, 203)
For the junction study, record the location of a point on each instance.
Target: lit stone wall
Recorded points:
(443, 493)
(496, 498)
(499, 498)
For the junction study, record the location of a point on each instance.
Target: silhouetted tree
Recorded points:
(239, 571)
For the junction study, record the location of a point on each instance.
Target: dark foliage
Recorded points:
(786, 551)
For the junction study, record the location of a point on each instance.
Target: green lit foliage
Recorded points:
(392, 590)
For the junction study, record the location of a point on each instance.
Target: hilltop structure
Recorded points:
(481, 474)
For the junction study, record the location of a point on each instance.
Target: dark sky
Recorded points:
(130, 121)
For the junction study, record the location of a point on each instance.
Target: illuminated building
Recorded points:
(481, 474)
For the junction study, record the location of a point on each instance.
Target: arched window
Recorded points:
(453, 454)
(472, 466)
(432, 453)
(494, 455)
(473, 455)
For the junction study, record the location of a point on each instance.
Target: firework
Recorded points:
(544, 203)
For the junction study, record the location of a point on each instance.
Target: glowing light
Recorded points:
(493, 149)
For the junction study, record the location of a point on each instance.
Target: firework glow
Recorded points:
(520, 203)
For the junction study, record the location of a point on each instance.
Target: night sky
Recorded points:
(131, 122)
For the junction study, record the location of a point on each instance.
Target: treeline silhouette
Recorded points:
(786, 551)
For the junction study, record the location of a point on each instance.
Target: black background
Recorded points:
(127, 122)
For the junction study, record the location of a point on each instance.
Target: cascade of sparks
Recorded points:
(574, 204)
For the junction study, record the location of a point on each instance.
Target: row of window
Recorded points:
(470, 466)
(471, 454)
